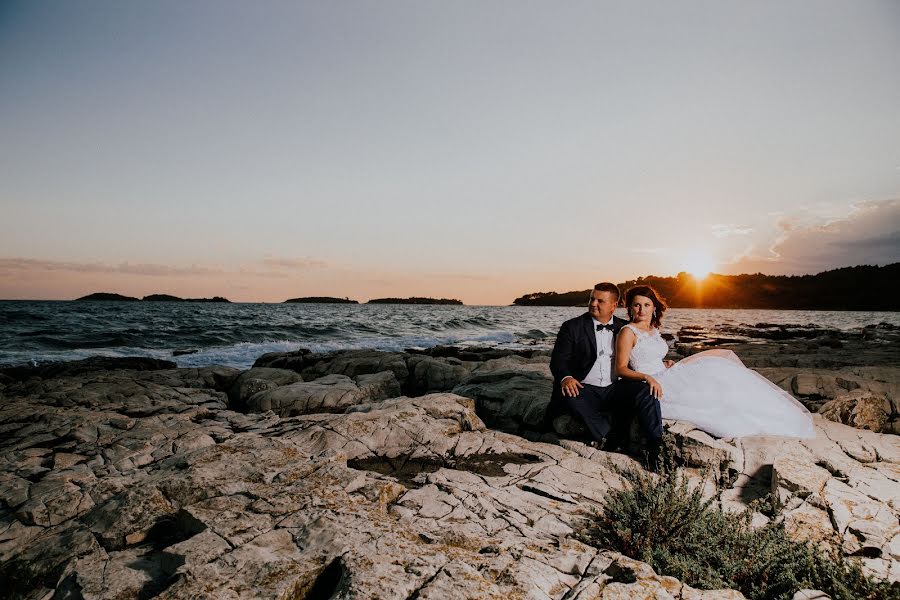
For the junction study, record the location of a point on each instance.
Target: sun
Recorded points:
(699, 265)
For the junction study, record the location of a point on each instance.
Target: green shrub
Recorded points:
(665, 523)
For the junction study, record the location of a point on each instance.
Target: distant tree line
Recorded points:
(863, 287)
(110, 297)
(414, 300)
(320, 300)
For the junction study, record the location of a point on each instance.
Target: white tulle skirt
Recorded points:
(717, 393)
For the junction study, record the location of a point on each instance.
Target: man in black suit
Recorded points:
(583, 367)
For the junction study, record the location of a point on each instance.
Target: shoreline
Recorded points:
(207, 473)
(240, 354)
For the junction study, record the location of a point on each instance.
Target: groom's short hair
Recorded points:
(608, 287)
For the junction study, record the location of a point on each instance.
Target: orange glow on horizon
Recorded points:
(699, 262)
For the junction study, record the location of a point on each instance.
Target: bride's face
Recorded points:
(641, 309)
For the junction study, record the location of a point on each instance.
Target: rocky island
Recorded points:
(415, 300)
(108, 297)
(426, 474)
(320, 300)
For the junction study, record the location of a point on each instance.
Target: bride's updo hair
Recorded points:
(659, 303)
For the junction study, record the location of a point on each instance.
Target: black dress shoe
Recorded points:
(615, 443)
(655, 454)
(607, 445)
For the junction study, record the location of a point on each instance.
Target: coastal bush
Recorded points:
(667, 523)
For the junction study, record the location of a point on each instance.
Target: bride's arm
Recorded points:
(624, 343)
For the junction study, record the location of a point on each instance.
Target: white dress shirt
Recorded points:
(603, 371)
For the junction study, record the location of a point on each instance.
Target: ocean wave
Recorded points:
(237, 334)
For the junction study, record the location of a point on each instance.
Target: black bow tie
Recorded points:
(608, 327)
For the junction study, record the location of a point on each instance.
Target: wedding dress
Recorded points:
(717, 393)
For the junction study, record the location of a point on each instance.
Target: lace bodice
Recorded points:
(648, 352)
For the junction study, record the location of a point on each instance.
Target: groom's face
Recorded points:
(602, 305)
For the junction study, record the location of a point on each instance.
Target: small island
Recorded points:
(320, 300)
(109, 297)
(213, 299)
(415, 300)
(162, 298)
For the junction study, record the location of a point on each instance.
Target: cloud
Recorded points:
(33, 265)
(9, 265)
(459, 277)
(650, 250)
(723, 230)
(300, 264)
(869, 234)
(889, 242)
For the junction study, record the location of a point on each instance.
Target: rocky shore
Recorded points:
(428, 474)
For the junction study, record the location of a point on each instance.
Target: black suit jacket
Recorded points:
(574, 354)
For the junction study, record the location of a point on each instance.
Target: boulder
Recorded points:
(357, 362)
(256, 380)
(428, 374)
(296, 360)
(332, 393)
(87, 365)
(861, 409)
(511, 400)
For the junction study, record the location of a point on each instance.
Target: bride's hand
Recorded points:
(669, 363)
(655, 389)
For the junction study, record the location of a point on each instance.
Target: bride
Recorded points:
(711, 389)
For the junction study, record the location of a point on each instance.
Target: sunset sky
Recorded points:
(478, 150)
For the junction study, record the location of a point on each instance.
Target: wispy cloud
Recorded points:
(154, 270)
(724, 230)
(650, 250)
(300, 264)
(459, 277)
(33, 265)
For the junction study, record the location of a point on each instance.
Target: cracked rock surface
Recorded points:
(123, 484)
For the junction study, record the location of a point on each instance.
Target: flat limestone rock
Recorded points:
(331, 393)
(125, 484)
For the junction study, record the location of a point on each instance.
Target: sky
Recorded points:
(478, 150)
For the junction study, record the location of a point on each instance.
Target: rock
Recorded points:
(255, 380)
(130, 484)
(184, 351)
(698, 449)
(357, 362)
(797, 477)
(129, 517)
(812, 385)
(87, 365)
(332, 393)
(509, 399)
(807, 522)
(296, 360)
(865, 525)
(861, 409)
(212, 378)
(429, 374)
(481, 354)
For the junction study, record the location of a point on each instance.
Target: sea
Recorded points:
(236, 334)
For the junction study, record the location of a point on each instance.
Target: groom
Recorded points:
(584, 378)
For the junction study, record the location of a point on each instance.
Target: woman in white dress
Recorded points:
(711, 389)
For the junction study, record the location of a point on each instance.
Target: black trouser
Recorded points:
(612, 408)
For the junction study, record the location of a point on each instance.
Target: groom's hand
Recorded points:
(570, 386)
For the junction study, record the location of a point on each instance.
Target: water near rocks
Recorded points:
(197, 335)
